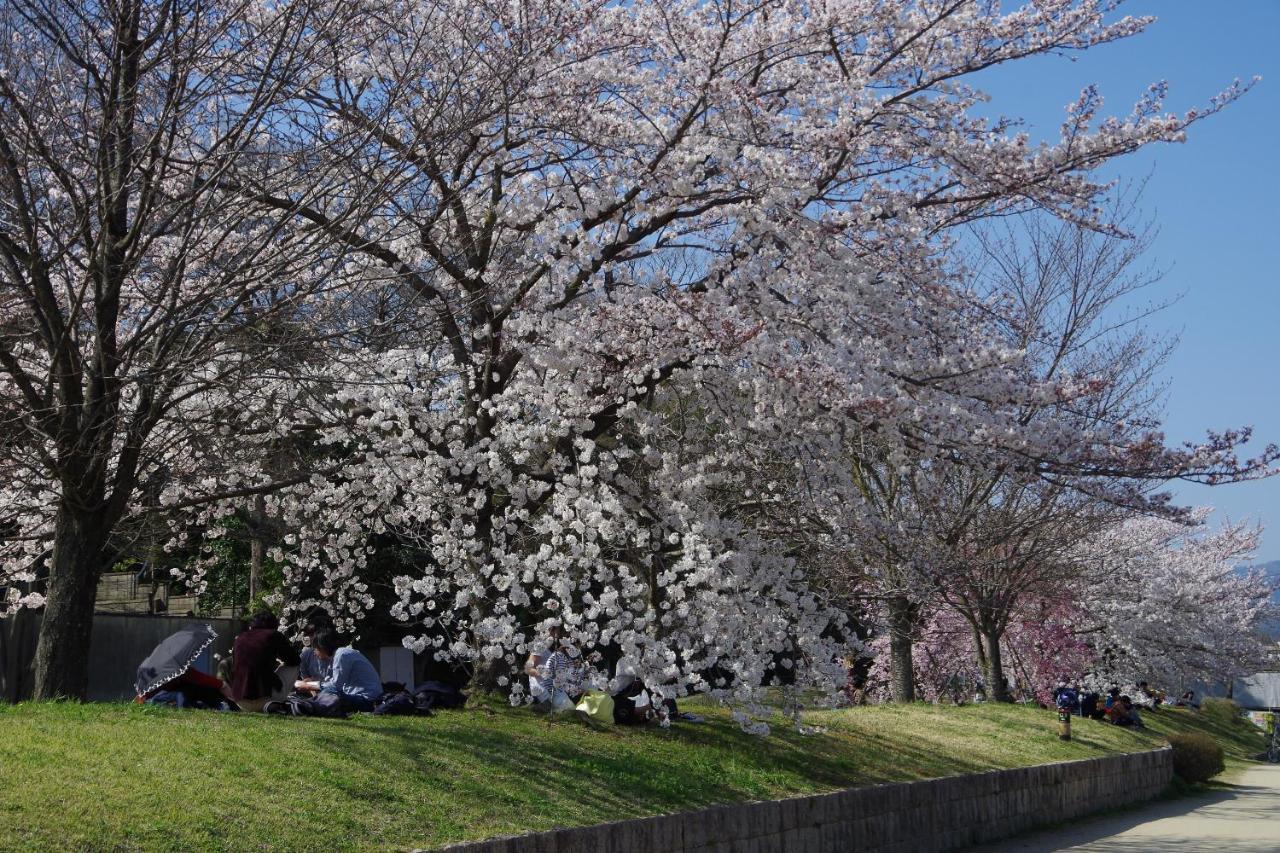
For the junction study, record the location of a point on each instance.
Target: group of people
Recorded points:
(339, 680)
(558, 673)
(1117, 708)
(329, 672)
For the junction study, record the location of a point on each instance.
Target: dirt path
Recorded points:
(1243, 819)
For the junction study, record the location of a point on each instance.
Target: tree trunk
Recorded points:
(980, 650)
(62, 652)
(256, 548)
(153, 559)
(902, 676)
(993, 671)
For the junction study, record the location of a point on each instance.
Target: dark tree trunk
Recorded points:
(902, 676)
(980, 649)
(993, 669)
(485, 675)
(62, 653)
(256, 549)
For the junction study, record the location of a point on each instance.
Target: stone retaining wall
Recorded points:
(921, 817)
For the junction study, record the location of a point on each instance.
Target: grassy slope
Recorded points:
(123, 776)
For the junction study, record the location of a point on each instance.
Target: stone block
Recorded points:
(788, 816)
(833, 808)
(543, 842)
(982, 784)
(698, 831)
(763, 818)
(667, 831)
(836, 837)
(803, 839)
(777, 843)
(847, 804)
(922, 793)
(881, 829)
(592, 839)
(871, 800)
(724, 823)
(717, 847)
(808, 812)
(866, 833)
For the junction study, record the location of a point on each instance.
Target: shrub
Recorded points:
(1220, 710)
(1196, 757)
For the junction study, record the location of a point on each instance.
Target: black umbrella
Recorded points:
(173, 656)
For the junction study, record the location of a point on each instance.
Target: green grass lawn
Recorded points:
(133, 777)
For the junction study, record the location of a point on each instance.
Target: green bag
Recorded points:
(598, 706)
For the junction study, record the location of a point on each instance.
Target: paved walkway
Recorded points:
(1243, 819)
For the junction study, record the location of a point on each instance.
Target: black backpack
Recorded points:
(323, 705)
(437, 694)
(421, 702)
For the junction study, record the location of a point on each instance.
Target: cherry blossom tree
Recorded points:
(985, 540)
(616, 210)
(141, 312)
(1045, 642)
(1173, 604)
(609, 258)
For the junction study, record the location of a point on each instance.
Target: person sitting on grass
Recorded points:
(1187, 700)
(535, 667)
(310, 666)
(1132, 710)
(1145, 697)
(1091, 706)
(1123, 713)
(257, 653)
(192, 689)
(566, 670)
(352, 679)
(635, 703)
(632, 703)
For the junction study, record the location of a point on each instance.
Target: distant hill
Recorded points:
(1272, 569)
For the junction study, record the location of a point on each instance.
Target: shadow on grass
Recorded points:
(389, 782)
(521, 772)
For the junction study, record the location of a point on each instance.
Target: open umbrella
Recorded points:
(174, 656)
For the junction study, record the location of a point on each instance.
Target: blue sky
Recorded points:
(1214, 200)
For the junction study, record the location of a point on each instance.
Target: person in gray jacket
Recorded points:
(352, 677)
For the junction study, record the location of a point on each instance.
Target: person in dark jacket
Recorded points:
(257, 653)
